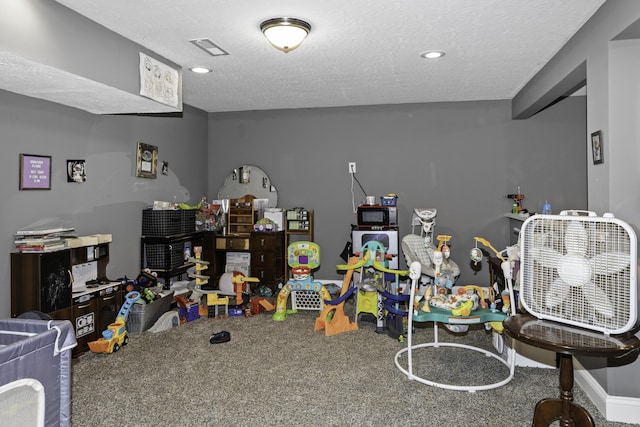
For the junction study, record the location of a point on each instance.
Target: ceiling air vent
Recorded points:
(210, 47)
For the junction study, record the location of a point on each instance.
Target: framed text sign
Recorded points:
(35, 172)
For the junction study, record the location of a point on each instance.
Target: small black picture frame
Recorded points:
(596, 147)
(76, 171)
(35, 172)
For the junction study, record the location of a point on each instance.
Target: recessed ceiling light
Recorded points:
(432, 54)
(200, 70)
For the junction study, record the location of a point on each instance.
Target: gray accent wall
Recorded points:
(462, 158)
(609, 45)
(112, 198)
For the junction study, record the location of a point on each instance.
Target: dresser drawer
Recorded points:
(236, 243)
(266, 241)
(262, 259)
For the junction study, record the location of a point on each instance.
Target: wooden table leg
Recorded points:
(549, 410)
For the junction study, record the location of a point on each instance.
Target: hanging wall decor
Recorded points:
(35, 172)
(76, 171)
(146, 160)
(159, 81)
(596, 147)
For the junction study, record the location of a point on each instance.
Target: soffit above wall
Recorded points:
(50, 52)
(40, 81)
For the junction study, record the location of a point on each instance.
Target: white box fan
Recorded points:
(580, 269)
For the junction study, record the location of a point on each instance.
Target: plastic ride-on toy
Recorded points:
(116, 334)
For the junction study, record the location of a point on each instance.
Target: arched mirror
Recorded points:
(249, 180)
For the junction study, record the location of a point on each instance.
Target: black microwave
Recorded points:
(377, 216)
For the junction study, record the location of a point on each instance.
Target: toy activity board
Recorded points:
(302, 257)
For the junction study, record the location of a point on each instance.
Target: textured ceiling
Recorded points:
(358, 52)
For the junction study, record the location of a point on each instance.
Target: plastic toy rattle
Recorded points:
(442, 245)
(476, 253)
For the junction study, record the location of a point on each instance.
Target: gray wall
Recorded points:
(612, 107)
(111, 199)
(461, 158)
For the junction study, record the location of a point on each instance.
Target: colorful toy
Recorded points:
(373, 262)
(467, 299)
(476, 256)
(116, 334)
(302, 257)
(236, 284)
(332, 318)
(214, 300)
(461, 315)
(200, 266)
(146, 279)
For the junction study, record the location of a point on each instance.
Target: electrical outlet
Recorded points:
(352, 167)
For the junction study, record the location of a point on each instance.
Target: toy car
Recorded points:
(116, 335)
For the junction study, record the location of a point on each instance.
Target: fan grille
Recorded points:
(580, 270)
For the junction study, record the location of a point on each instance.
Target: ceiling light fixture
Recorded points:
(200, 70)
(285, 34)
(432, 54)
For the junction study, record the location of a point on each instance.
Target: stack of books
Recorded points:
(45, 240)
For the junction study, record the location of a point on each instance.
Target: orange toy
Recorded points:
(332, 318)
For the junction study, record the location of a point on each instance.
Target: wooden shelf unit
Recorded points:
(304, 234)
(241, 216)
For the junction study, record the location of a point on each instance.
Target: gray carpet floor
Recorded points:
(285, 374)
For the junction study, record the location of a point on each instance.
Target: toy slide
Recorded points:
(332, 318)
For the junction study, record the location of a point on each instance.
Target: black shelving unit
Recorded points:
(164, 255)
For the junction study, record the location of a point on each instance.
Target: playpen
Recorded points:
(35, 372)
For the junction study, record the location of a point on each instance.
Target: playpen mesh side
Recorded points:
(40, 350)
(22, 403)
(305, 300)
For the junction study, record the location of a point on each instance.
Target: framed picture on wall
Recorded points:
(35, 172)
(76, 171)
(596, 147)
(146, 160)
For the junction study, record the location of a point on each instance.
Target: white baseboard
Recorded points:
(533, 357)
(526, 355)
(614, 408)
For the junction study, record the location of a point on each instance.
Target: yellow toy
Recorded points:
(200, 266)
(214, 300)
(116, 334)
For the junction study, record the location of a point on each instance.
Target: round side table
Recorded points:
(566, 341)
